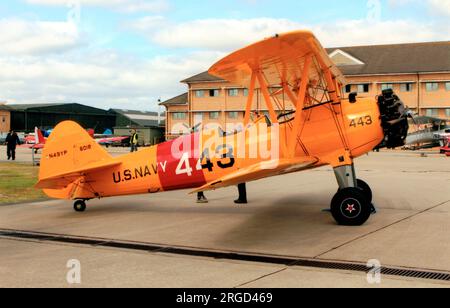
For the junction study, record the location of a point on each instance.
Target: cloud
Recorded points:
(21, 37)
(363, 32)
(229, 34)
(126, 6)
(102, 79)
(441, 7)
(216, 34)
(37, 67)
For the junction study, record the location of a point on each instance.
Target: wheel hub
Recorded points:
(350, 208)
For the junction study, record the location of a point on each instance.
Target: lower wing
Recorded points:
(259, 171)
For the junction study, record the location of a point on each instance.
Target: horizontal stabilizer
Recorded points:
(259, 171)
(62, 180)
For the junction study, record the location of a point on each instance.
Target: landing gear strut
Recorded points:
(365, 188)
(79, 206)
(352, 204)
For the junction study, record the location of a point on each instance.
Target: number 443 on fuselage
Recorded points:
(321, 129)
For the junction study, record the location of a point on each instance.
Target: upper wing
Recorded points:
(280, 57)
(261, 170)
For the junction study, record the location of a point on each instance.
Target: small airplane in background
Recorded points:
(324, 129)
(36, 142)
(430, 132)
(114, 141)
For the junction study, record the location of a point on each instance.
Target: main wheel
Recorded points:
(350, 207)
(79, 206)
(366, 190)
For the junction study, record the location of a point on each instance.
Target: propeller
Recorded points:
(405, 113)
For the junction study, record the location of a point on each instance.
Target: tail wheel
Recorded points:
(79, 206)
(350, 207)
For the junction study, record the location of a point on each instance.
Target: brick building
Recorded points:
(5, 118)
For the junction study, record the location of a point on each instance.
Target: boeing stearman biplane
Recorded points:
(322, 129)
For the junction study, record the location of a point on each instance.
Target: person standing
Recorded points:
(134, 141)
(201, 198)
(242, 194)
(12, 140)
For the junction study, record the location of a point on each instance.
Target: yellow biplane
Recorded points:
(322, 128)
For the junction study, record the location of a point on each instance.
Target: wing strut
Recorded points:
(250, 99)
(266, 94)
(299, 106)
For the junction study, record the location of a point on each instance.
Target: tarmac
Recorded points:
(284, 218)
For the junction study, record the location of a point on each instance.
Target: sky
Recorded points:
(130, 53)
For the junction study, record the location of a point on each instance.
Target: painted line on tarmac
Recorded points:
(225, 255)
(382, 228)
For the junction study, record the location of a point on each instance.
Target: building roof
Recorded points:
(202, 77)
(4, 107)
(73, 108)
(381, 59)
(142, 118)
(397, 59)
(177, 100)
(23, 107)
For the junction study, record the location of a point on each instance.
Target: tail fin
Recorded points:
(69, 152)
(38, 137)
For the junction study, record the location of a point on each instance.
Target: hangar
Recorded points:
(149, 125)
(25, 117)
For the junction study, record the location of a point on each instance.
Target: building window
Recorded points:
(432, 86)
(406, 87)
(179, 116)
(348, 88)
(386, 86)
(233, 92)
(447, 86)
(214, 93)
(363, 88)
(245, 92)
(233, 115)
(198, 118)
(199, 93)
(447, 112)
(214, 115)
(432, 113)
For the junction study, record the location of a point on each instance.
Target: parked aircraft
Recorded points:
(36, 143)
(429, 132)
(324, 129)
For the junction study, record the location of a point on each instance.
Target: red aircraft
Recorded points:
(35, 143)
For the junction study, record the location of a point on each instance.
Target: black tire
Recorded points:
(79, 206)
(350, 207)
(366, 190)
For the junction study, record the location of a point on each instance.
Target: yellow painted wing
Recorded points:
(259, 171)
(279, 57)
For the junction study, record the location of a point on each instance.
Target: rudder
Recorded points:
(69, 148)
